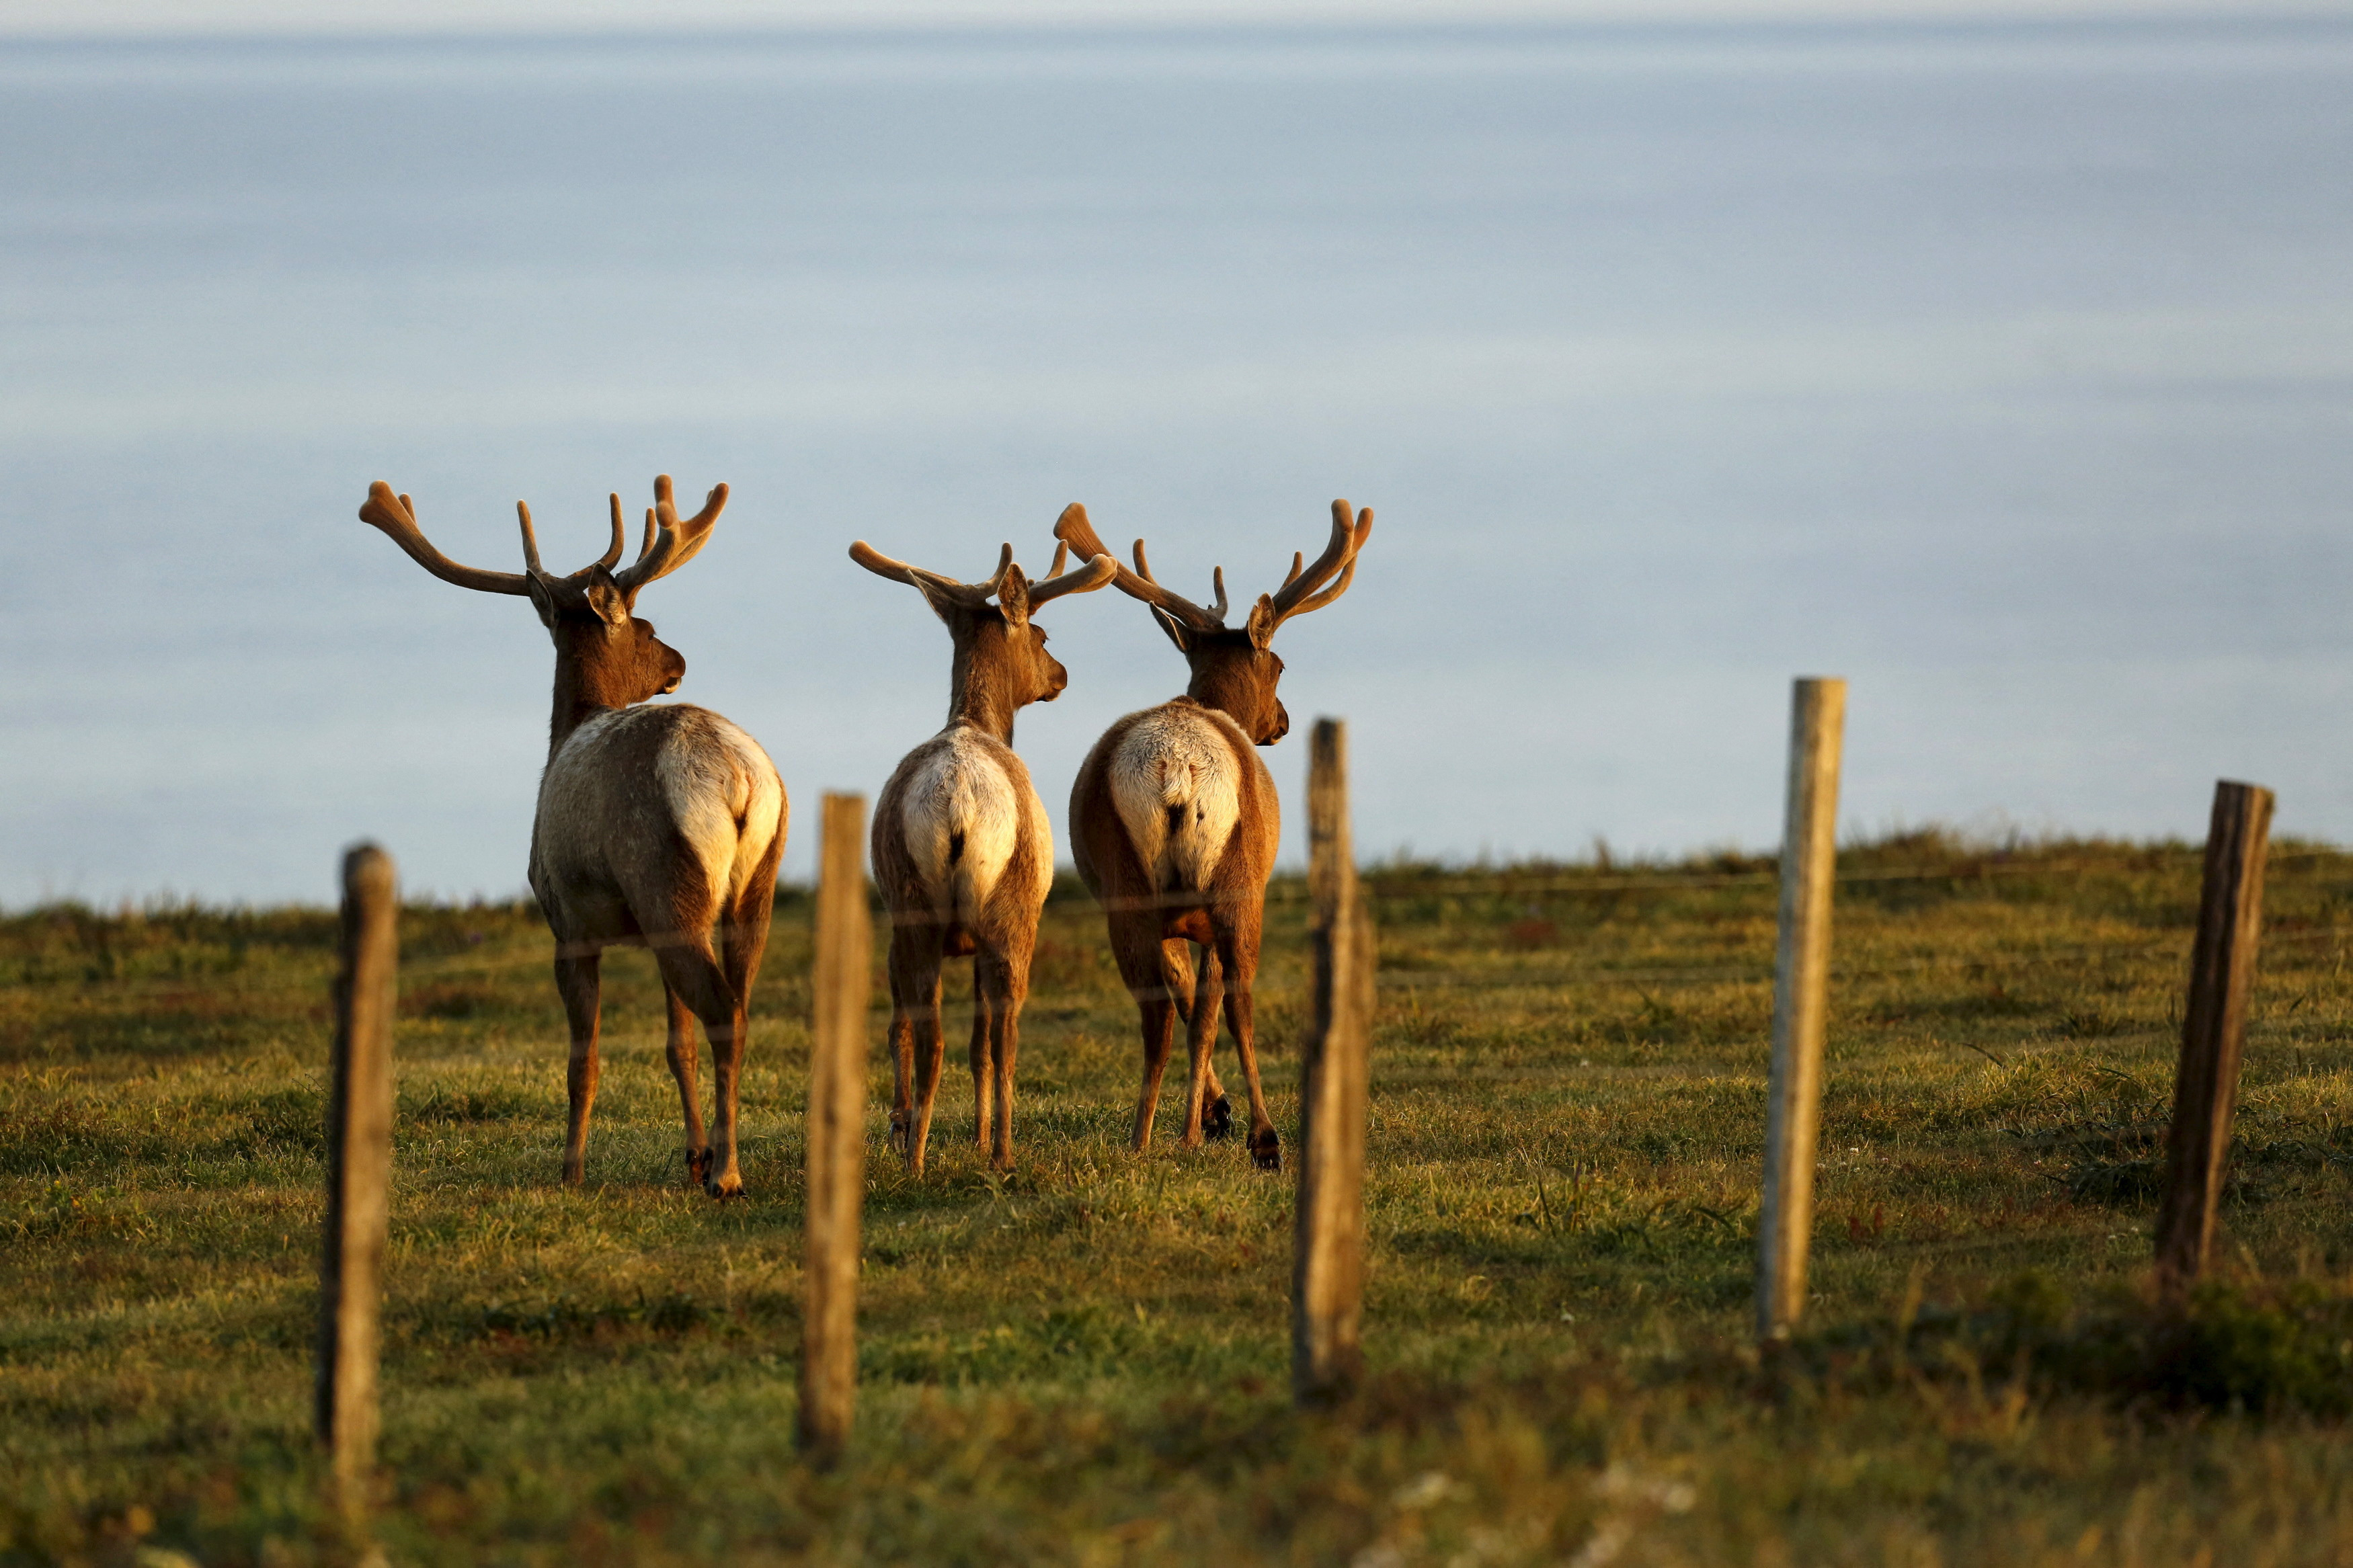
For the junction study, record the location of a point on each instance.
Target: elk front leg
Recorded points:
(682, 1052)
(1240, 950)
(914, 1036)
(576, 980)
(1204, 1031)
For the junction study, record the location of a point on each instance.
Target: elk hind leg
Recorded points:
(692, 970)
(1240, 951)
(578, 982)
(1216, 1110)
(984, 1063)
(1144, 963)
(1203, 1020)
(1002, 985)
(914, 1035)
(680, 1048)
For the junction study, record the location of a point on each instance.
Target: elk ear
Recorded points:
(1262, 622)
(1013, 598)
(606, 598)
(942, 603)
(1178, 632)
(541, 599)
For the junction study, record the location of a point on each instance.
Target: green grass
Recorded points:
(1087, 1362)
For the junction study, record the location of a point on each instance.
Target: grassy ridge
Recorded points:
(1086, 1362)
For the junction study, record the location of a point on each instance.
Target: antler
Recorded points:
(669, 543)
(1095, 573)
(396, 516)
(1074, 530)
(1298, 593)
(973, 594)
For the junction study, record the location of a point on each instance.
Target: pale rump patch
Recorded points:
(1041, 834)
(715, 786)
(962, 818)
(724, 795)
(1175, 781)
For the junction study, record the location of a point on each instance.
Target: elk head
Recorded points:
(1001, 662)
(604, 656)
(1235, 669)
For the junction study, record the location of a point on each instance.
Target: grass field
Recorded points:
(1086, 1362)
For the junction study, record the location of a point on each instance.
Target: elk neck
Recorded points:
(981, 684)
(1228, 680)
(582, 690)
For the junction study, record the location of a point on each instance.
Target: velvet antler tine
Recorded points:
(1299, 592)
(612, 556)
(1298, 558)
(1073, 529)
(669, 543)
(1062, 554)
(1218, 580)
(529, 540)
(396, 517)
(881, 565)
(1097, 572)
(1361, 531)
(996, 578)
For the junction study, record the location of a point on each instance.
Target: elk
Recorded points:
(962, 850)
(1174, 823)
(658, 828)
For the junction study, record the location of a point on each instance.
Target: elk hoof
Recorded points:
(698, 1168)
(900, 1139)
(723, 1188)
(1266, 1150)
(1218, 1119)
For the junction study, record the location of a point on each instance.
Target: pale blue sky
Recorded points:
(2006, 372)
(132, 17)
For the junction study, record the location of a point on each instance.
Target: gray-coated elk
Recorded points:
(962, 850)
(658, 827)
(1174, 824)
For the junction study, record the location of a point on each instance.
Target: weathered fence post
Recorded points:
(1327, 1275)
(359, 1172)
(837, 1134)
(2206, 1084)
(1800, 1004)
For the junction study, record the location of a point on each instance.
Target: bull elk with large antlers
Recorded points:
(962, 849)
(658, 827)
(1174, 823)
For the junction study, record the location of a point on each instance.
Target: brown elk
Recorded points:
(1174, 823)
(658, 828)
(963, 853)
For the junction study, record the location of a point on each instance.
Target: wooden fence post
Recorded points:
(359, 1172)
(2213, 1031)
(1800, 1004)
(1327, 1277)
(837, 1134)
